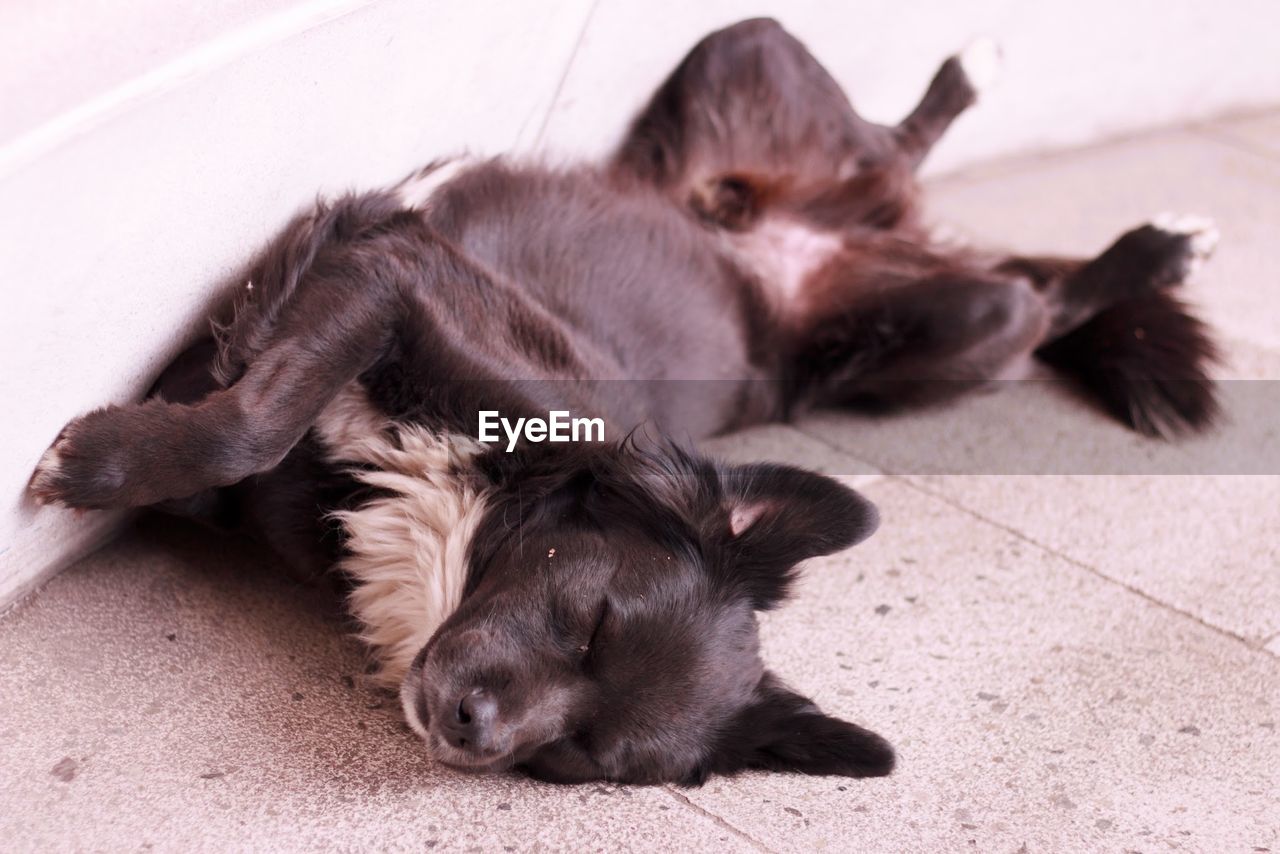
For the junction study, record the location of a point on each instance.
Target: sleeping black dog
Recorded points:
(586, 609)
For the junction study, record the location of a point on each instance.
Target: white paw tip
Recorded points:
(981, 62)
(948, 235)
(47, 471)
(1202, 231)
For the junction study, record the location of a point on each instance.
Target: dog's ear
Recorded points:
(775, 516)
(782, 731)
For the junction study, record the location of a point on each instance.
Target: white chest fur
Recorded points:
(407, 551)
(784, 253)
(418, 189)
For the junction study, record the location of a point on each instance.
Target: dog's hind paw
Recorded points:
(1201, 234)
(1163, 253)
(981, 61)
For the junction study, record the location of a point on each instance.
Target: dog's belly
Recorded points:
(783, 254)
(645, 298)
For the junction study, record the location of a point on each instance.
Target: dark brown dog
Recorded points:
(587, 610)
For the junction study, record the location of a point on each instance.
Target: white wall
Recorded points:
(1075, 71)
(147, 147)
(117, 227)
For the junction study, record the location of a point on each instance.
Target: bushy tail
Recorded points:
(1147, 358)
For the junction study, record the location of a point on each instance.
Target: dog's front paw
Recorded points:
(85, 466)
(46, 484)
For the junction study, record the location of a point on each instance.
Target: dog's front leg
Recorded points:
(329, 326)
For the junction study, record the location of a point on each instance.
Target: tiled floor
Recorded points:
(1066, 661)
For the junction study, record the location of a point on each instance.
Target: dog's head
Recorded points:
(609, 629)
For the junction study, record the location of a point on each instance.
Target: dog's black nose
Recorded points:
(472, 723)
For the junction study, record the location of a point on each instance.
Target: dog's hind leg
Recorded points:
(1119, 327)
(1146, 259)
(895, 323)
(885, 335)
(325, 318)
(955, 87)
(751, 120)
(747, 119)
(748, 99)
(920, 342)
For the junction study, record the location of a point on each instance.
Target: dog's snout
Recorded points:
(478, 708)
(471, 726)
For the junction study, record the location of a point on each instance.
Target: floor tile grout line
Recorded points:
(1215, 134)
(876, 471)
(1267, 643)
(1020, 162)
(1094, 571)
(688, 803)
(912, 483)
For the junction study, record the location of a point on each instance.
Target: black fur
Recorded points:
(1146, 358)
(779, 730)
